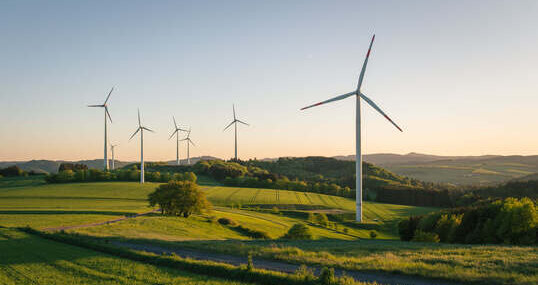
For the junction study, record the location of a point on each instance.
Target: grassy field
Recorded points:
(489, 264)
(31, 202)
(464, 172)
(28, 259)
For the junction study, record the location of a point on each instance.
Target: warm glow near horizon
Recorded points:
(459, 77)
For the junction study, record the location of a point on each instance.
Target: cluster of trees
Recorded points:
(72, 166)
(511, 221)
(130, 174)
(12, 171)
(179, 198)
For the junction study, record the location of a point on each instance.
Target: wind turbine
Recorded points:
(189, 141)
(358, 156)
(104, 105)
(176, 132)
(141, 130)
(112, 146)
(234, 122)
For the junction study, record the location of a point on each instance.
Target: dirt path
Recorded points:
(381, 278)
(100, 223)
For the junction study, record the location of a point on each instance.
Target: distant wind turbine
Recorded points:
(104, 105)
(358, 156)
(141, 130)
(112, 146)
(177, 129)
(189, 142)
(234, 122)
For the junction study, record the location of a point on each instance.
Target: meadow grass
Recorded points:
(484, 264)
(27, 259)
(206, 227)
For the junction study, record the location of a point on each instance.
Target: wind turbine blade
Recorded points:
(137, 130)
(108, 97)
(379, 110)
(331, 100)
(242, 122)
(363, 70)
(191, 142)
(172, 135)
(227, 125)
(95, 105)
(139, 123)
(108, 114)
(233, 106)
(147, 129)
(175, 124)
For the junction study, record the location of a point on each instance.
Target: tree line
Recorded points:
(83, 174)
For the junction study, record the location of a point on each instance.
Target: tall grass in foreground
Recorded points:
(238, 273)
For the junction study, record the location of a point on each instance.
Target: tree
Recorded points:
(179, 198)
(298, 231)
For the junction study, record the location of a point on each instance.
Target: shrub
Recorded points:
(407, 228)
(298, 231)
(373, 234)
(256, 234)
(226, 221)
(421, 236)
(326, 277)
(304, 273)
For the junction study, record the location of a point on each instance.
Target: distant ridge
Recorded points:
(51, 166)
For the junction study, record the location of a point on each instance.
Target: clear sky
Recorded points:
(460, 77)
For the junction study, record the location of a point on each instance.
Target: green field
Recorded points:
(28, 259)
(29, 202)
(463, 172)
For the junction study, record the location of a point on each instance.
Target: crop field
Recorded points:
(28, 259)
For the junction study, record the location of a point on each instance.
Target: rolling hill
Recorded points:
(458, 170)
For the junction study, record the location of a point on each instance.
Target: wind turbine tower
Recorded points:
(176, 132)
(107, 114)
(112, 146)
(189, 142)
(141, 130)
(358, 155)
(234, 122)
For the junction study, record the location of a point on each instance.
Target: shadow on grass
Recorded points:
(60, 212)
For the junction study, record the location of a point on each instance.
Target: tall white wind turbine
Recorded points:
(189, 142)
(234, 122)
(112, 146)
(141, 130)
(177, 129)
(107, 114)
(358, 156)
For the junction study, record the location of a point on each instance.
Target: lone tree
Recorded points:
(179, 198)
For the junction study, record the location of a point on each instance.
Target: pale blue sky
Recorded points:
(459, 76)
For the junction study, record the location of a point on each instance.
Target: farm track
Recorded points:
(380, 278)
(253, 199)
(231, 195)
